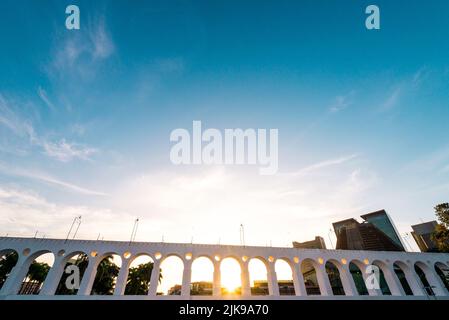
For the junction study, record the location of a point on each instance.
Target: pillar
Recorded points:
(154, 279)
(368, 279)
(298, 281)
(89, 276)
(53, 277)
(246, 286)
(186, 278)
(273, 287)
(216, 291)
(323, 280)
(348, 281)
(435, 282)
(413, 280)
(15, 278)
(392, 280)
(122, 278)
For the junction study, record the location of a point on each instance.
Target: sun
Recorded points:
(230, 275)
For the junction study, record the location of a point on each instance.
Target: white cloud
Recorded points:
(43, 177)
(392, 100)
(43, 95)
(65, 151)
(325, 163)
(102, 45)
(61, 150)
(342, 102)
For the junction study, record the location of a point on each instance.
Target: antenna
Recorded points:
(330, 239)
(35, 234)
(242, 235)
(134, 232)
(75, 220)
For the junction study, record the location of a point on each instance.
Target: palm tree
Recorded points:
(7, 262)
(104, 281)
(139, 279)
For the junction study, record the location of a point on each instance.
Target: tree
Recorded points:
(7, 262)
(139, 279)
(441, 234)
(107, 271)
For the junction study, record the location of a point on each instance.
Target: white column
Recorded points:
(298, 281)
(154, 279)
(435, 282)
(89, 276)
(348, 281)
(246, 286)
(217, 280)
(413, 280)
(323, 281)
(368, 279)
(273, 287)
(122, 278)
(186, 278)
(53, 277)
(15, 278)
(392, 280)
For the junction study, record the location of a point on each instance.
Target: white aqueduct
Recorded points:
(421, 271)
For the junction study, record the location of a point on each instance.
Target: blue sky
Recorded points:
(85, 116)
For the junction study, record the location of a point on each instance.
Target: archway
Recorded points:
(402, 279)
(79, 260)
(139, 275)
(258, 277)
(443, 272)
(334, 279)
(309, 274)
(231, 281)
(358, 278)
(284, 275)
(8, 260)
(172, 268)
(37, 273)
(423, 278)
(106, 275)
(202, 277)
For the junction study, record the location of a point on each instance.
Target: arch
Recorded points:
(399, 268)
(309, 270)
(231, 281)
(284, 274)
(172, 268)
(39, 265)
(333, 273)
(258, 279)
(382, 281)
(442, 271)
(8, 260)
(106, 274)
(139, 274)
(357, 277)
(419, 269)
(202, 276)
(79, 259)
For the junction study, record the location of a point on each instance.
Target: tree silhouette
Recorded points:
(441, 234)
(139, 279)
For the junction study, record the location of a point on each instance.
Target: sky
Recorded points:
(86, 116)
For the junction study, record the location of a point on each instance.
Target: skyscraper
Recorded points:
(422, 234)
(376, 233)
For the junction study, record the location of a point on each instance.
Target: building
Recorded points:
(260, 288)
(201, 288)
(422, 234)
(318, 243)
(376, 233)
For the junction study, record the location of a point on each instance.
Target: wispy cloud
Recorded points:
(342, 102)
(61, 150)
(326, 163)
(65, 151)
(43, 177)
(44, 96)
(392, 100)
(80, 53)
